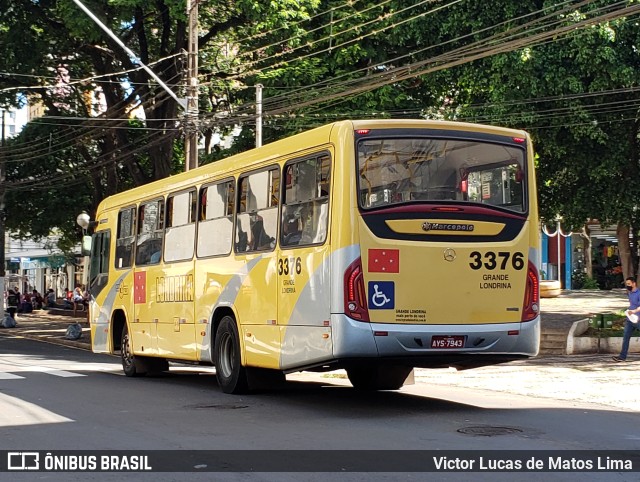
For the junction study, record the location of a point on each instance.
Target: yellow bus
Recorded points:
(375, 246)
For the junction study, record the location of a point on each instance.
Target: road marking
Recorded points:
(54, 372)
(9, 376)
(15, 412)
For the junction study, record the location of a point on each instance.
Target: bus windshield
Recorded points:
(400, 170)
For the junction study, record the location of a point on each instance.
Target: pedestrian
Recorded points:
(13, 300)
(37, 300)
(51, 298)
(18, 296)
(631, 323)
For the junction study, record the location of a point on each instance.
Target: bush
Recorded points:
(580, 281)
(606, 325)
(590, 284)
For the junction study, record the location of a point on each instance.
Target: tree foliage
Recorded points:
(321, 60)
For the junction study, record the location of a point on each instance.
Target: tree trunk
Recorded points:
(624, 248)
(586, 249)
(208, 139)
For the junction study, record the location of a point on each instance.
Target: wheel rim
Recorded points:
(127, 357)
(227, 353)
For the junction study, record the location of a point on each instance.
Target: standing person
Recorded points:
(13, 300)
(630, 326)
(16, 292)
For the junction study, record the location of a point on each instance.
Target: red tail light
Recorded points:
(355, 298)
(531, 306)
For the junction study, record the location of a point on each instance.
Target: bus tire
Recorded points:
(231, 375)
(378, 377)
(132, 366)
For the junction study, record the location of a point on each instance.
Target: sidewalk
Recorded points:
(561, 312)
(558, 314)
(42, 325)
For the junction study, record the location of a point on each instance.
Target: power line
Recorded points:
(61, 84)
(309, 44)
(343, 44)
(305, 92)
(475, 51)
(71, 136)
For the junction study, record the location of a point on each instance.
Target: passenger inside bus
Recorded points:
(259, 238)
(292, 231)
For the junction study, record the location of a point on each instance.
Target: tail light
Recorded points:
(355, 298)
(531, 306)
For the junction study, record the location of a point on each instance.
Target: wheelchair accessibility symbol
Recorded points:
(381, 295)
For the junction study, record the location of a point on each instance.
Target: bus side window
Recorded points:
(99, 264)
(215, 228)
(150, 232)
(181, 227)
(257, 218)
(125, 238)
(305, 212)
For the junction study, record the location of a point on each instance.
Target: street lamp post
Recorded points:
(84, 221)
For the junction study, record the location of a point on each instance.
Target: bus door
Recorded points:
(163, 293)
(303, 263)
(171, 284)
(255, 242)
(148, 246)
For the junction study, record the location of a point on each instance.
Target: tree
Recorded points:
(71, 64)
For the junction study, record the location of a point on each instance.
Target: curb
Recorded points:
(56, 341)
(580, 326)
(577, 328)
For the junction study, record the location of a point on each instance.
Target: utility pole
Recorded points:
(191, 120)
(3, 288)
(259, 115)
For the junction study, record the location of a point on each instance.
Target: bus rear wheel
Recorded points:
(378, 377)
(231, 375)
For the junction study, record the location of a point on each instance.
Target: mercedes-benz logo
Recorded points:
(449, 254)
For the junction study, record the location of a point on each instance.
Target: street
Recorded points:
(61, 398)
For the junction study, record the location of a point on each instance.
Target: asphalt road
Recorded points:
(54, 397)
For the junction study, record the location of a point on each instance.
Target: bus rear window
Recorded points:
(394, 171)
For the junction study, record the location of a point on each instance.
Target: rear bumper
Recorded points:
(412, 343)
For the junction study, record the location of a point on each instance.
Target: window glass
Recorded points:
(257, 219)
(125, 238)
(394, 171)
(150, 233)
(215, 228)
(99, 264)
(305, 211)
(181, 227)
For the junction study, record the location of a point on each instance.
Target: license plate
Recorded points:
(441, 341)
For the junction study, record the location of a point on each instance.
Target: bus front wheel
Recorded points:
(139, 366)
(131, 366)
(231, 375)
(377, 377)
